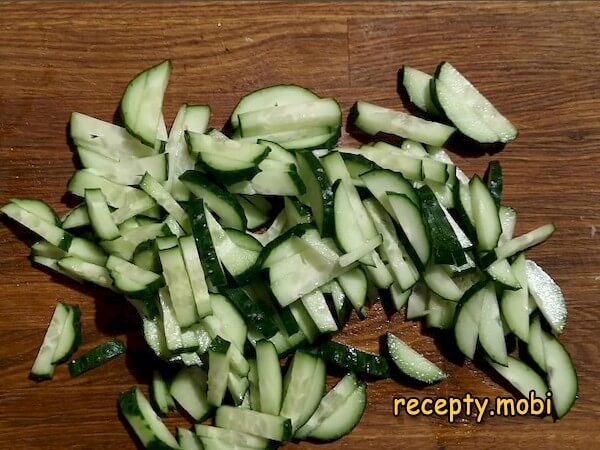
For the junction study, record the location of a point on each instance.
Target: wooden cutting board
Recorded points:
(538, 61)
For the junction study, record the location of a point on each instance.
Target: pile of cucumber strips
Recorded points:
(241, 249)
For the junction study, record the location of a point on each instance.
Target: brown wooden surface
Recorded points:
(537, 61)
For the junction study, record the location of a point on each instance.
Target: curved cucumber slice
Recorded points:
(345, 418)
(43, 369)
(97, 356)
(319, 194)
(547, 295)
(412, 363)
(70, 336)
(141, 105)
(416, 84)
(188, 388)
(522, 377)
(515, 303)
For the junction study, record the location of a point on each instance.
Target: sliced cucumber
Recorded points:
(548, 296)
(319, 193)
(468, 318)
(188, 388)
(491, 332)
(416, 84)
(256, 423)
(468, 109)
(155, 190)
(414, 232)
(159, 392)
(515, 303)
(373, 119)
(193, 267)
(522, 377)
(97, 356)
(141, 105)
(188, 440)
(180, 290)
(412, 363)
(43, 369)
(353, 359)
(70, 336)
(270, 382)
(231, 437)
(485, 215)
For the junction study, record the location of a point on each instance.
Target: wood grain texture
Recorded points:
(537, 61)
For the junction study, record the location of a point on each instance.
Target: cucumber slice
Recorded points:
(255, 218)
(77, 217)
(125, 246)
(493, 179)
(276, 428)
(97, 356)
(83, 270)
(380, 182)
(180, 290)
(412, 363)
(468, 317)
(237, 386)
(437, 279)
(43, 368)
(503, 274)
(373, 119)
(522, 377)
(188, 388)
(508, 221)
(233, 327)
(412, 227)
(224, 204)
(440, 312)
(231, 437)
(106, 138)
(318, 310)
(353, 359)
(141, 105)
(159, 393)
(218, 368)
(468, 109)
(193, 267)
(535, 346)
(491, 332)
(303, 388)
(188, 440)
(272, 182)
(514, 304)
(418, 300)
(416, 84)
(345, 418)
(548, 296)
(269, 97)
(329, 404)
(155, 190)
(37, 207)
(171, 329)
(270, 383)
(253, 312)
(485, 215)
(319, 193)
(148, 427)
(99, 214)
(70, 336)
(354, 284)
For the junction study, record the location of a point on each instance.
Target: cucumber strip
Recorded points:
(253, 313)
(218, 368)
(171, 329)
(379, 275)
(304, 321)
(97, 356)
(502, 273)
(140, 416)
(329, 404)
(206, 250)
(412, 363)
(416, 84)
(254, 387)
(324, 112)
(468, 109)
(522, 377)
(364, 250)
(99, 214)
(159, 393)
(77, 217)
(353, 359)
(237, 386)
(255, 218)
(508, 221)
(233, 327)
(124, 246)
(354, 284)
(70, 336)
(408, 166)
(561, 374)
(296, 212)
(37, 207)
(414, 232)
(303, 388)
(224, 204)
(231, 437)
(440, 312)
(276, 428)
(399, 297)
(141, 105)
(284, 94)
(148, 282)
(380, 181)
(319, 312)
(491, 332)
(52, 264)
(373, 119)
(345, 418)
(43, 368)
(485, 215)
(319, 193)
(438, 280)
(445, 247)
(188, 388)
(179, 286)
(189, 117)
(195, 273)
(117, 195)
(270, 382)
(106, 138)
(468, 317)
(548, 296)
(83, 270)
(87, 251)
(188, 440)
(402, 268)
(518, 244)
(418, 300)
(144, 206)
(155, 190)
(493, 179)
(48, 231)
